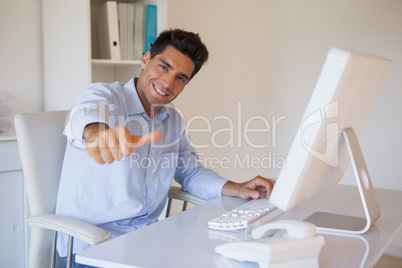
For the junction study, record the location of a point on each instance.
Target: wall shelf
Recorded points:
(114, 63)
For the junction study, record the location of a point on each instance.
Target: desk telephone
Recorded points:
(298, 247)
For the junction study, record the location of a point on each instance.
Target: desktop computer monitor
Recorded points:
(327, 139)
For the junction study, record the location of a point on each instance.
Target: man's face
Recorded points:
(163, 78)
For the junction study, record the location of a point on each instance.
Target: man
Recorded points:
(135, 144)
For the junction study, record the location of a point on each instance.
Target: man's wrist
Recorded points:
(230, 188)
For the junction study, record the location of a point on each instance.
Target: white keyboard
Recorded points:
(254, 212)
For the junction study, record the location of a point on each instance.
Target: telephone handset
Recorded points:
(294, 229)
(299, 246)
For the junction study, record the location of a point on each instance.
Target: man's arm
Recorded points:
(250, 189)
(106, 144)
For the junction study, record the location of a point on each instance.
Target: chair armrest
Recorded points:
(177, 193)
(86, 232)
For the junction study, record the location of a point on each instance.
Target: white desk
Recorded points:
(183, 240)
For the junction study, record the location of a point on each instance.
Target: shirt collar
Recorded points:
(134, 105)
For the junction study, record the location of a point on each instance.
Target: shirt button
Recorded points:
(150, 204)
(149, 178)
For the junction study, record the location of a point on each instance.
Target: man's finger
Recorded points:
(94, 152)
(106, 155)
(137, 141)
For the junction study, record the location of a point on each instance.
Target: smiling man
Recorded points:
(163, 78)
(127, 142)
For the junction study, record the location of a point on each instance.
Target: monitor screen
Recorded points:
(343, 98)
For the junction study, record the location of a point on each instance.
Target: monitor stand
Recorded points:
(328, 222)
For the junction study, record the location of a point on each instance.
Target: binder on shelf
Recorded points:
(109, 42)
(132, 29)
(151, 26)
(139, 31)
(122, 15)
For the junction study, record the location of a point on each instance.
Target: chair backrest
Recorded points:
(41, 145)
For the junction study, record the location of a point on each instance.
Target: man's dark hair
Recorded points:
(188, 43)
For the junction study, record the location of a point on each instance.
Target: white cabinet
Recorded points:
(69, 46)
(12, 205)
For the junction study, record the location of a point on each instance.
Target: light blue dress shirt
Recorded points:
(130, 193)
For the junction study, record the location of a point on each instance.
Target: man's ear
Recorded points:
(145, 59)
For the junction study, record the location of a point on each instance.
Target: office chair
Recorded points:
(42, 146)
(177, 193)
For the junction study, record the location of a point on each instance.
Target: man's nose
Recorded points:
(168, 81)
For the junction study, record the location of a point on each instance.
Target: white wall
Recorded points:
(268, 55)
(21, 54)
(231, 88)
(301, 33)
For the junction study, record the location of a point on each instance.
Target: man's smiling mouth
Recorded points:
(160, 91)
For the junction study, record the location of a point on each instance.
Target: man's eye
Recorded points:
(163, 67)
(182, 79)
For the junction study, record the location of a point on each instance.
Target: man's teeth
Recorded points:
(160, 92)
